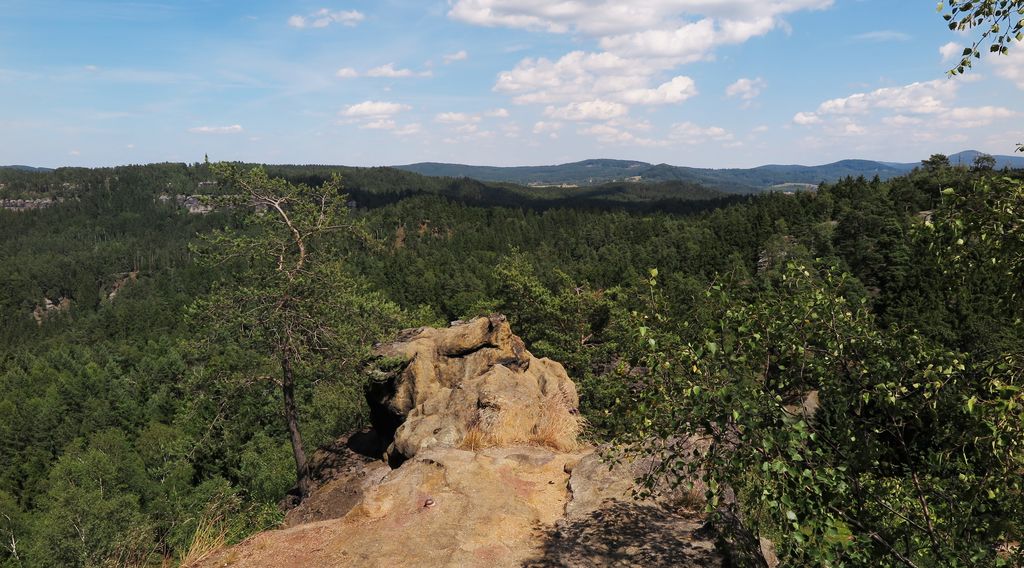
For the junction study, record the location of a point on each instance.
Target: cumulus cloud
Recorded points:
(917, 98)
(922, 111)
(589, 110)
(805, 118)
(378, 115)
(379, 124)
(233, 129)
(746, 89)
(460, 55)
(950, 51)
(389, 71)
(346, 73)
(690, 133)
(408, 129)
(456, 118)
(497, 113)
(610, 17)
(543, 127)
(374, 109)
(607, 134)
(1011, 66)
(971, 117)
(641, 44)
(324, 17)
(883, 36)
(675, 91)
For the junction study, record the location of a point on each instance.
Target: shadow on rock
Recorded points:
(628, 534)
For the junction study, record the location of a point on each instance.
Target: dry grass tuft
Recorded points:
(555, 426)
(210, 536)
(559, 427)
(475, 439)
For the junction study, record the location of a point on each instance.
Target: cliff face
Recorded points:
(485, 470)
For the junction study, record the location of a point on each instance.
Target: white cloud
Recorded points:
(971, 117)
(497, 113)
(408, 129)
(456, 118)
(379, 124)
(1011, 66)
(324, 17)
(641, 43)
(346, 73)
(917, 98)
(460, 55)
(746, 89)
(75, 153)
(951, 50)
(608, 134)
(233, 129)
(805, 118)
(882, 36)
(369, 109)
(918, 113)
(690, 133)
(389, 71)
(589, 110)
(675, 91)
(543, 127)
(853, 129)
(902, 120)
(575, 77)
(609, 17)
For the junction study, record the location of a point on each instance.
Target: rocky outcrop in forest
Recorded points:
(474, 460)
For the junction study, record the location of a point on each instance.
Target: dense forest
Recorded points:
(133, 421)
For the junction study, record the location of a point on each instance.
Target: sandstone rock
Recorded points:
(493, 508)
(493, 475)
(471, 385)
(484, 510)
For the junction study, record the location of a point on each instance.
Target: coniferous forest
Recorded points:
(133, 417)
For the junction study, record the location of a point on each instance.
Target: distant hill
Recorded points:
(26, 168)
(966, 158)
(733, 180)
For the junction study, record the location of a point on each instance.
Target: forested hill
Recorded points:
(739, 180)
(368, 187)
(137, 420)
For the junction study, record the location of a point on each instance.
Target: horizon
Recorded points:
(96, 83)
(538, 165)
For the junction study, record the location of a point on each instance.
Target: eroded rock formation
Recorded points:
(472, 385)
(492, 473)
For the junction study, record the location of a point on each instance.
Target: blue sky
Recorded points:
(711, 83)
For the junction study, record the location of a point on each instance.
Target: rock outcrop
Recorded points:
(472, 385)
(491, 473)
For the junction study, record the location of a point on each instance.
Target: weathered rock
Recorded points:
(341, 475)
(497, 507)
(494, 476)
(445, 507)
(471, 385)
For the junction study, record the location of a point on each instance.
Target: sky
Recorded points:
(704, 83)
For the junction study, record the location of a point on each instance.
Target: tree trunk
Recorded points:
(292, 417)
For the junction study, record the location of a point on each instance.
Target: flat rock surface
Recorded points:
(493, 508)
(491, 473)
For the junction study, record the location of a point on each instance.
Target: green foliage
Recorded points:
(290, 307)
(912, 457)
(1001, 23)
(163, 397)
